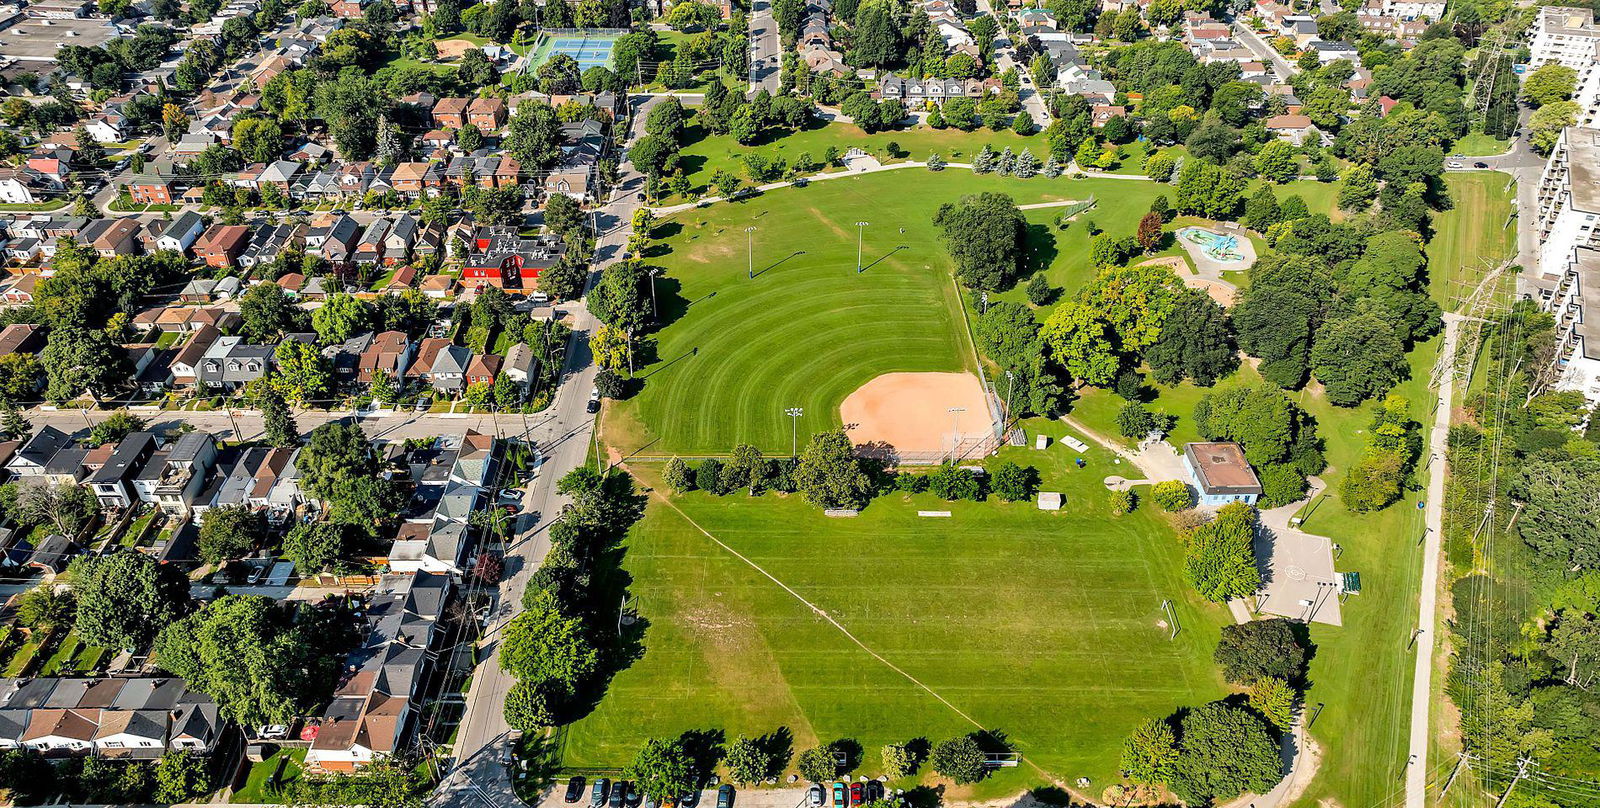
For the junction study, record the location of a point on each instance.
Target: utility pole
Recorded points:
(750, 253)
(860, 230)
(1460, 759)
(1522, 771)
(794, 414)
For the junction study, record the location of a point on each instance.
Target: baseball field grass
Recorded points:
(809, 329)
(1042, 627)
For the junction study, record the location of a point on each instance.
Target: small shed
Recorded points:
(1041, 442)
(1050, 500)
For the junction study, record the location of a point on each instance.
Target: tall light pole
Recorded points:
(955, 429)
(794, 414)
(750, 252)
(1011, 384)
(654, 312)
(860, 229)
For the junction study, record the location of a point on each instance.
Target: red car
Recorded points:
(857, 795)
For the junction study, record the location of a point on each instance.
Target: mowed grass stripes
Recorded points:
(809, 329)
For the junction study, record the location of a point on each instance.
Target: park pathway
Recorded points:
(1427, 606)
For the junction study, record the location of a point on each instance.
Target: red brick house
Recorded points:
(221, 244)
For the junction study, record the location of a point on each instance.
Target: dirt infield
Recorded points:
(911, 411)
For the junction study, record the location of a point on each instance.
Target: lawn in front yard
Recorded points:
(1040, 626)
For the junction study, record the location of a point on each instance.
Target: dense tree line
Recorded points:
(1521, 528)
(554, 645)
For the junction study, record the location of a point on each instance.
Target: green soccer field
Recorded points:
(1041, 626)
(809, 329)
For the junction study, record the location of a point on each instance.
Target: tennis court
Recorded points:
(588, 50)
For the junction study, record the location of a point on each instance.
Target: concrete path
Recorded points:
(1427, 600)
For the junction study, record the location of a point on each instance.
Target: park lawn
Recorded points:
(1361, 672)
(705, 153)
(1477, 230)
(1478, 144)
(1061, 654)
(731, 359)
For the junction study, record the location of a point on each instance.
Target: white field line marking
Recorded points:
(846, 632)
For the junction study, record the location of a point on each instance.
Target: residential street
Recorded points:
(1283, 67)
(766, 55)
(1005, 57)
(481, 739)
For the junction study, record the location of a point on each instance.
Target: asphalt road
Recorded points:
(1254, 42)
(479, 775)
(766, 59)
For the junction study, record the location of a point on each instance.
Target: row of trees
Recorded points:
(747, 470)
(555, 646)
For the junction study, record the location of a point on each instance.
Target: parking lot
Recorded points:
(33, 39)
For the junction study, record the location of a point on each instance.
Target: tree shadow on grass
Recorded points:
(1040, 245)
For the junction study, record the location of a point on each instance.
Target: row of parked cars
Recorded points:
(624, 794)
(845, 795)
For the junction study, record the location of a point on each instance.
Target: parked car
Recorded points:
(597, 795)
(511, 493)
(574, 789)
(635, 795)
(725, 796)
(1480, 164)
(650, 802)
(858, 794)
(839, 798)
(592, 407)
(273, 732)
(814, 796)
(690, 798)
(618, 793)
(874, 790)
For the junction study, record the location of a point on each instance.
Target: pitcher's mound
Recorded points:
(911, 411)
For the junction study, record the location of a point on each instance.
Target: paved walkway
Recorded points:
(1427, 606)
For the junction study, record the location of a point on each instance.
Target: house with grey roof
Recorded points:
(449, 370)
(113, 483)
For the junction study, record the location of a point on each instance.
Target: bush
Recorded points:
(1281, 484)
(960, 759)
(1123, 502)
(1014, 483)
(1172, 496)
(678, 476)
(1260, 649)
(817, 765)
(528, 707)
(951, 482)
(910, 483)
(899, 761)
(709, 476)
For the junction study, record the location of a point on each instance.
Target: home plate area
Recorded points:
(920, 417)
